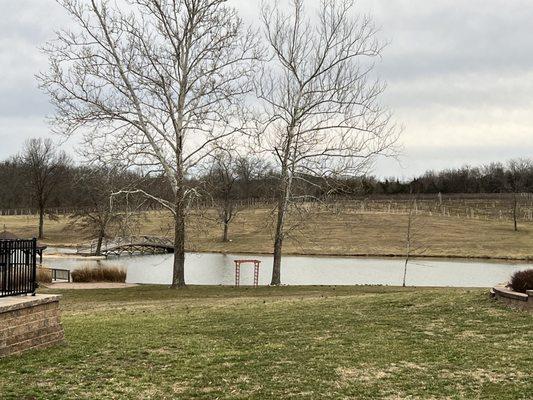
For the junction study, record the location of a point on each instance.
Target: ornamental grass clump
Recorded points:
(522, 281)
(99, 274)
(44, 275)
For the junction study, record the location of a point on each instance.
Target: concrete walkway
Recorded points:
(89, 285)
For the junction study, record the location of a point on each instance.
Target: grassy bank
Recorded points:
(340, 232)
(271, 343)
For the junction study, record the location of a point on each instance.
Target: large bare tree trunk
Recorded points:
(283, 205)
(278, 244)
(178, 276)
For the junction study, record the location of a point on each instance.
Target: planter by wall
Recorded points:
(522, 301)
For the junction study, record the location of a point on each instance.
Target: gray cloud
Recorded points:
(445, 36)
(460, 78)
(459, 75)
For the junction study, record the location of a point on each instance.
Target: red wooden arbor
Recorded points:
(238, 263)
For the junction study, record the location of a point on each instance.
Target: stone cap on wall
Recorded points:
(13, 303)
(506, 292)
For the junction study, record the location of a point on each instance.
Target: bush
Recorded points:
(44, 275)
(522, 281)
(100, 274)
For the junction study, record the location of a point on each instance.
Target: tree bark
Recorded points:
(283, 203)
(225, 234)
(98, 250)
(227, 217)
(278, 244)
(41, 222)
(178, 276)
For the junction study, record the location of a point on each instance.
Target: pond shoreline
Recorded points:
(347, 235)
(443, 257)
(218, 269)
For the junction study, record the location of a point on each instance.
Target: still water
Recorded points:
(218, 269)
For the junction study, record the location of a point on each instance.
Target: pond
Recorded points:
(218, 269)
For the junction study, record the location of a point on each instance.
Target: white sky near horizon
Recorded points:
(459, 77)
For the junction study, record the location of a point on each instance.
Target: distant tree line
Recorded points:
(28, 181)
(42, 177)
(103, 203)
(512, 177)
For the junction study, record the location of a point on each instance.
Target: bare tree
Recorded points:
(45, 167)
(154, 83)
(321, 104)
(516, 183)
(220, 182)
(408, 238)
(414, 240)
(231, 177)
(99, 218)
(253, 173)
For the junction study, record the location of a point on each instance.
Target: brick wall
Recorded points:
(29, 322)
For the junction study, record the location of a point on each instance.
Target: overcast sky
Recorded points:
(459, 75)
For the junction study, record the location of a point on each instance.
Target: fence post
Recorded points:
(34, 265)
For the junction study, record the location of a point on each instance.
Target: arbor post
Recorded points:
(238, 263)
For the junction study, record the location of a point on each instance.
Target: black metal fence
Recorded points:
(57, 274)
(18, 267)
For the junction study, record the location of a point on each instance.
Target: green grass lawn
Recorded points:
(280, 343)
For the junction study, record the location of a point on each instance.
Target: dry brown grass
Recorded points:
(44, 275)
(101, 274)
(331, 232)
